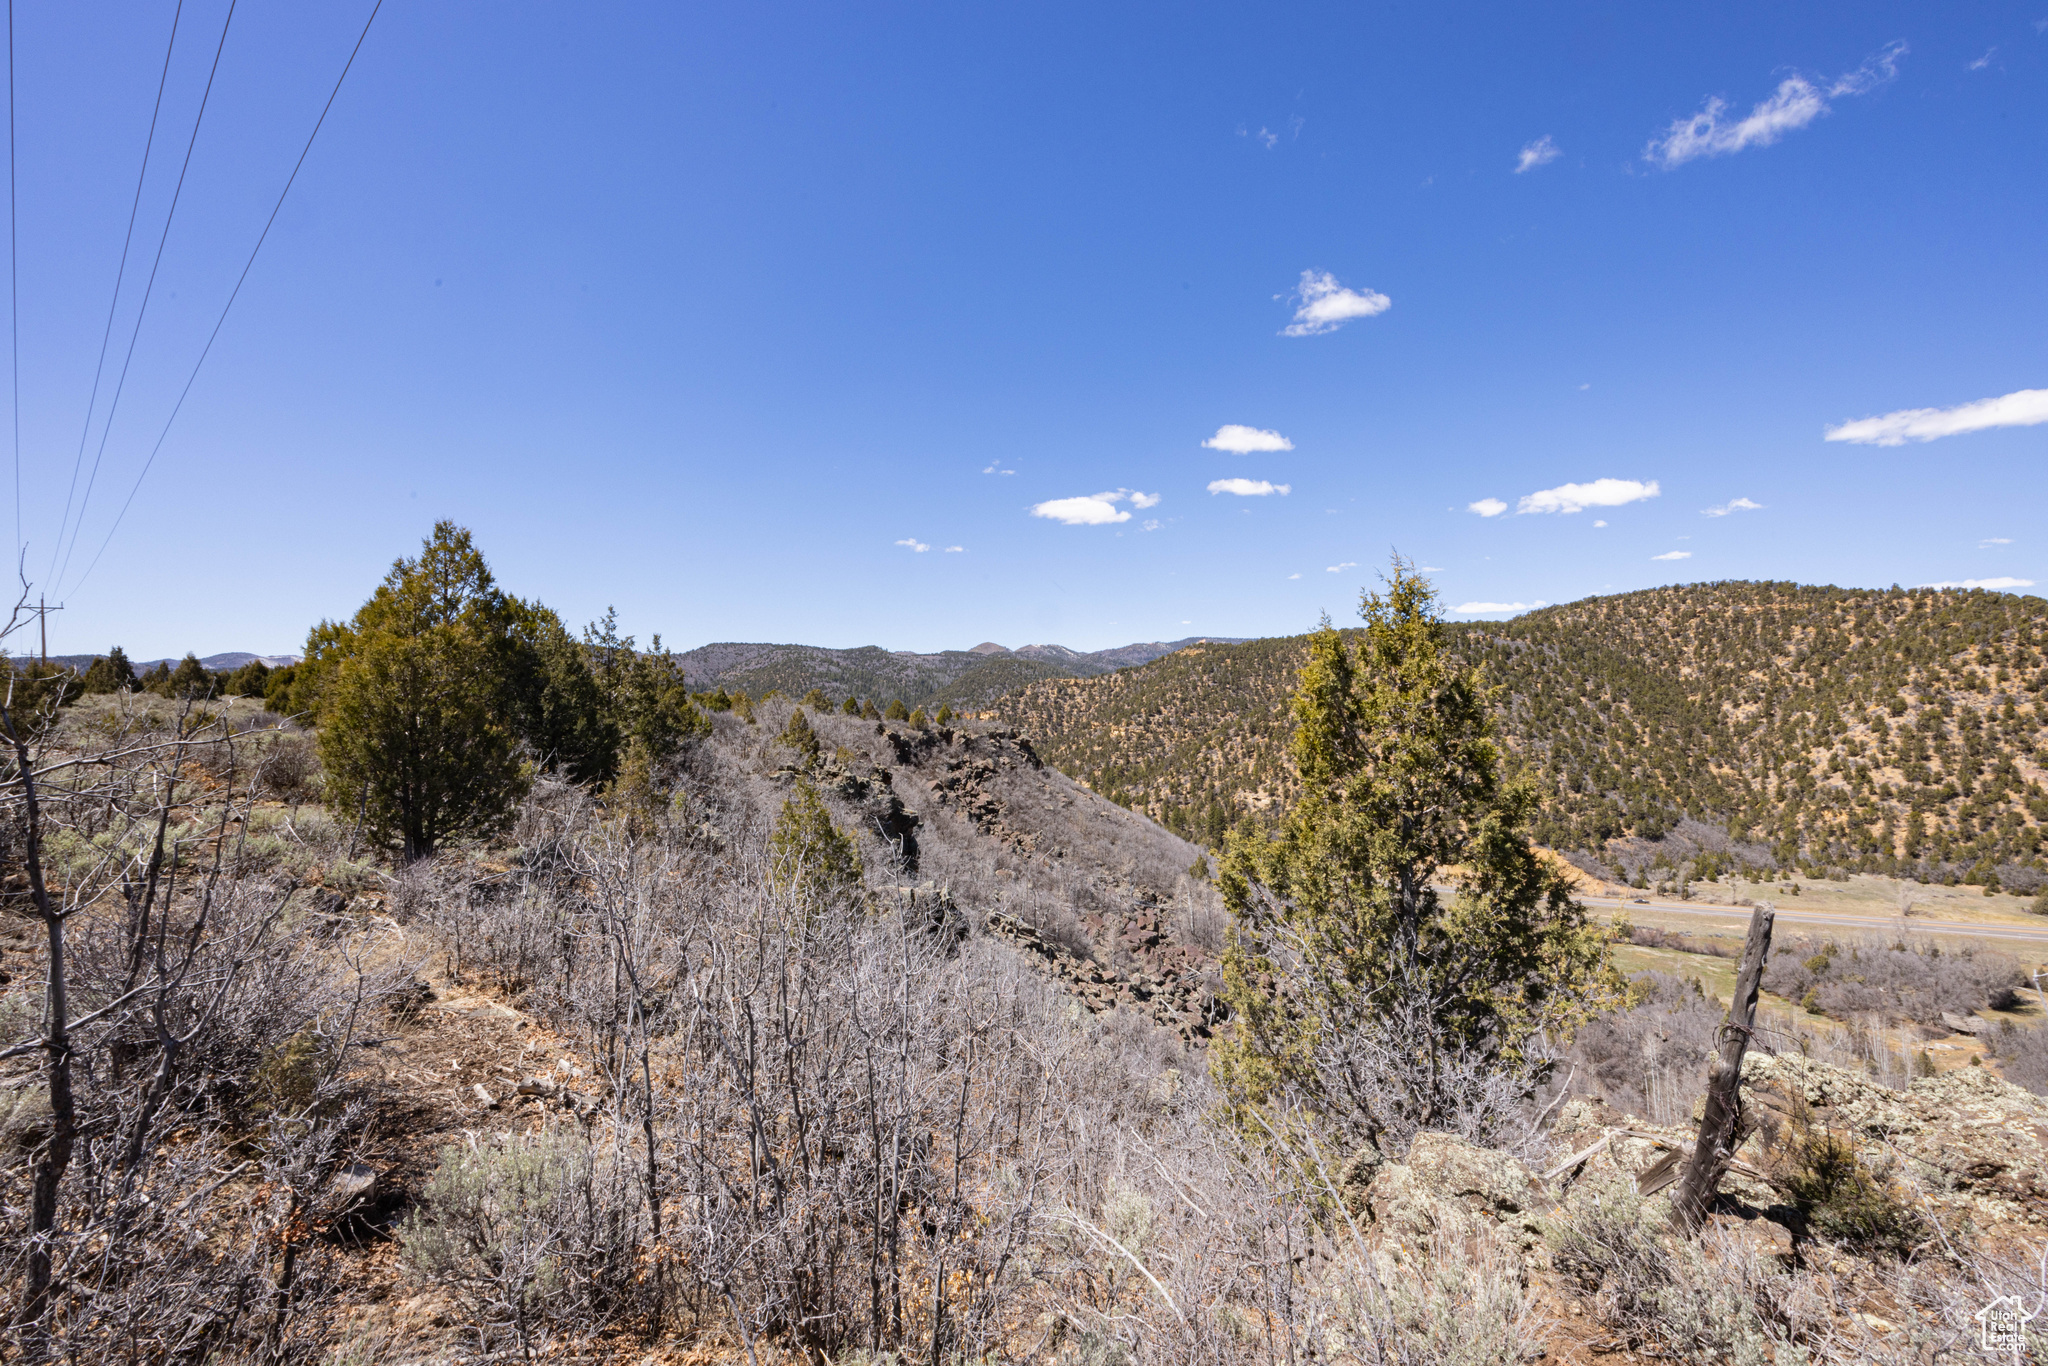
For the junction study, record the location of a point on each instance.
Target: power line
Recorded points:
(114, 404)
(120, 277)
(236, 293)
(13, 286)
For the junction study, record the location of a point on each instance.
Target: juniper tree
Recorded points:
(111, 672)
(413, 692)
(808, 856)
(897, 711)
(799, 736)
(1358, 988)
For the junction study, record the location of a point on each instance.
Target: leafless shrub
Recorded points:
(1907, 980)
(1649, 1059)
(2022, 1053)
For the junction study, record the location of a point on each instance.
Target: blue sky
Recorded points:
(720, 316)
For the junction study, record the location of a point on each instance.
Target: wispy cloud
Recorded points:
(919, 546)
(1732, 505)
(1340, 568)
(996, 469)
(1487, 507)
(1326, 305)
(1673, 555)
(1249, 488)
(1985, 60)
(1431, 568)
(1094, 509)
(1294, 576)
(1601, 493)
(1994, 540)
(1476, 608)
(1981, 583)
(2021, 408)
(1796, 103)
(1241, 440)
(1600, 523)
(956, 550)
(1541, 152)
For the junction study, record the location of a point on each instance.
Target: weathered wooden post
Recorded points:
(1723, 1112)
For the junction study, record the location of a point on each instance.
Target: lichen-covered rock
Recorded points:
(1447, 1183)
(1973, 1141)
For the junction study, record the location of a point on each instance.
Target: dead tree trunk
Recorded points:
(1723, 1112)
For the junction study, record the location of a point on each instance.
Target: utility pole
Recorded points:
(42, 609)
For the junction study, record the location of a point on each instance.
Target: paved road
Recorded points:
(1790, 913)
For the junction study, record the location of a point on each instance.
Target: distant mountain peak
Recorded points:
(989, 647)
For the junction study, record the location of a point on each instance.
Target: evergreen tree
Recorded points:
(111, 672)
(556, 705)
(799, 736)
(917, 718)
(851, 707)
(412, 699)
(251, 680)
(1337, 929)
(897, 711)
(868, 712)
(158, 680)
(945, 717)
(809, 857)
(816, 700)
(277, 691)
(191, 679)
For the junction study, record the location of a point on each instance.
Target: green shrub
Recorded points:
(897, 711)
(810, 857)
(1845, 1202)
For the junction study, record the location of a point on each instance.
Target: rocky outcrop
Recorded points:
(1977, 1145)
(1446, 1184)
(1183, 1003)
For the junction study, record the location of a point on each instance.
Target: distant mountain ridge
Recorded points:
(960, 678)
(1816, 729)
(220, 663)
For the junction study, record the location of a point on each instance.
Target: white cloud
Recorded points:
(1673, 555)
(1981, 583)
(1732, 505)
(1327, 305)
(1601, 493)
(1477, 607)
(2021, 408)
(1248, 488)
(1340, 568)
(993, 469)
(1797, 102)
(919, 546)
(1241, 440)
(1431, 568)
(1294, 576)
(1541, 152)
(1983, 61)
(1151, 524)
(1599, 524)
(1994, 540)
(956, 550)
(1487, 507)
(1095, 509)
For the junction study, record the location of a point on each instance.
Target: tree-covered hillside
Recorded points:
(1821, 728)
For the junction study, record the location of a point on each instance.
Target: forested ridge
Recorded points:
(1896, 731)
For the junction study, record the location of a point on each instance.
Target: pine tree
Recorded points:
(251, 680)
(917, 718)
(1338, 932)
(191, 679)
